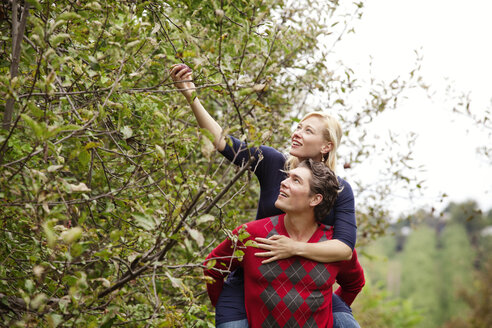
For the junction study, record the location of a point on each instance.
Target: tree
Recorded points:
(110, 195)
(375, 308)
(480, 299)
(419, 277)
(456, 258)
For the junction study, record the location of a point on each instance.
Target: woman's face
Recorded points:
(307, 141)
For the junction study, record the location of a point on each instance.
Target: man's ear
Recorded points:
(318, 198)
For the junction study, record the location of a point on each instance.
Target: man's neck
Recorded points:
(300, 226)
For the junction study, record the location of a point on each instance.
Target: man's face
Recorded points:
(295, 195)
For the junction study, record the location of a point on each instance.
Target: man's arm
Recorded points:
(351, 279)
(219, 263)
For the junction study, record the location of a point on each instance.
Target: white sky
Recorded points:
(454, 38)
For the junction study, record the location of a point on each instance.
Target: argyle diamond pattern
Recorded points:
(292, 293)
(270, 271)
(270, 298)
(315, 300)
(319, 274)
(295, 272)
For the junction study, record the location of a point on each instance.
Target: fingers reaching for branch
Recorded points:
(182, 77)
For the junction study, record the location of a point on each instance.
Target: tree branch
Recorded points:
(18, 29)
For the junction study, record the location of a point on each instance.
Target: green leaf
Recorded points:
(84, 157)
(55, 40)
(239, 254)
(72, 235)
(68, 16)
(251, 243)
(197, 236)
(50, 234)
(207, 147)
(53, 168)
(38, 129)
(108, 323)
(205, 218)
(132, 44)
(29, 284)
(144, 221)
(176, 282)
(53, 319)
(127, 132)
(211, 264)
(160, 151)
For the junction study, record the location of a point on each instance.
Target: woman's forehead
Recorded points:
(313, 121)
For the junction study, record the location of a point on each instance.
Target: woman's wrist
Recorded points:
(299, 249)
(190, 96)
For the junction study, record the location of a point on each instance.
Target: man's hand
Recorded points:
(181, 75)
(278, 247)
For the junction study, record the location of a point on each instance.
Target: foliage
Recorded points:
(455, 259)
(419, 279)
(441, 266)
(481, 301)
(110, 197)
(375, 308)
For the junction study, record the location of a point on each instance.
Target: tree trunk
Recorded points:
(18, 28)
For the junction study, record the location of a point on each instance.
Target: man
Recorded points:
(293, 292)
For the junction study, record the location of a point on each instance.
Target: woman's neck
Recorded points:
(300, 226)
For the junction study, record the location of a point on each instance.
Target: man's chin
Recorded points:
(278, 204)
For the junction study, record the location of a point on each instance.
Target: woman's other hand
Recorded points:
(278, 247)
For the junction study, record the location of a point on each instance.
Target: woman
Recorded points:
(317, 137)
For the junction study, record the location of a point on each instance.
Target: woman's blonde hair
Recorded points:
(332, 133)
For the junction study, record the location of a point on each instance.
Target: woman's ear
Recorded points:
(326, 148)
(316, 200)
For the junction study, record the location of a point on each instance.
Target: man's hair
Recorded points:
(325, 183)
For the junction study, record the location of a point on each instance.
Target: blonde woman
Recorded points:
(317, 137)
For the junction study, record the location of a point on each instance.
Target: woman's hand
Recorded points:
(278, 247)
(181, 75)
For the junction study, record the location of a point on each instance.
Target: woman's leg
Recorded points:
(234, 324)
(230, 311)
(344, 320)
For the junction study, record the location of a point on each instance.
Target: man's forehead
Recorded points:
(302, 172)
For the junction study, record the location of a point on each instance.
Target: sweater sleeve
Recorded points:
(351, 279)
(345, 227)
(238, 153)
(218, 270)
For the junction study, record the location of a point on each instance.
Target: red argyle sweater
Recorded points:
(294, 292)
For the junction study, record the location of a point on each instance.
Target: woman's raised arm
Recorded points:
(182, 77)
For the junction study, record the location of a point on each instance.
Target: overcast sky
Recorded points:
(454, 39)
